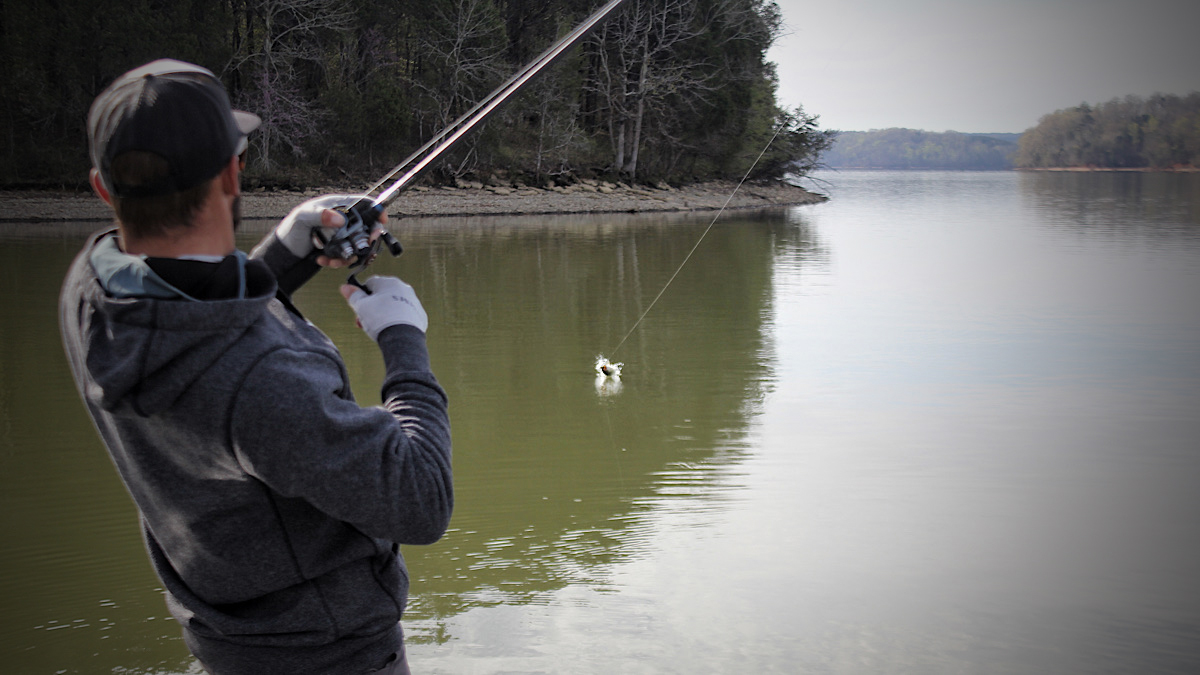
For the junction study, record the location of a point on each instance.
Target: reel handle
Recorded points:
(393, 244)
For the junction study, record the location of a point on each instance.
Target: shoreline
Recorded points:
(36, 206)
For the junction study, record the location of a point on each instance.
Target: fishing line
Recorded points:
(609, 369)
(698, 241)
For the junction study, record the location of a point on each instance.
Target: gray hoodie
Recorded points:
(272, 503)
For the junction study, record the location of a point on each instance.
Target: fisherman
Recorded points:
(272, 504)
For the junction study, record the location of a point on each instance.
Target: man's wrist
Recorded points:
(291, 271)
(404, 349)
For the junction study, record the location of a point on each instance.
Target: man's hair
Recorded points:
(144, 217)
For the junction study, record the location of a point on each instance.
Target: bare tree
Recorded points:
(640, 68)
(652, 67)
(462, 58)
(559, 135)
(275, 41)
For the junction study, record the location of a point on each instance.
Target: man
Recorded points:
(272, 504)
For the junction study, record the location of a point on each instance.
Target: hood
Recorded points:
(147, 342)
(129, 276)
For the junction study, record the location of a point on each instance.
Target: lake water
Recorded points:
(944, 423)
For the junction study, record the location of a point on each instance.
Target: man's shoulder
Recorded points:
(79, 266)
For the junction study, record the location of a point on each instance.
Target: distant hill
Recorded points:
(1011, 138)
(914, 149)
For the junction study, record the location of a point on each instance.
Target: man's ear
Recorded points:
(98, 187)
(231, 184)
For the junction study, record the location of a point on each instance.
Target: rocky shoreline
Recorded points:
(465, 199)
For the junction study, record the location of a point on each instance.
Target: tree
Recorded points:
(280, 43)
(796, 147)
(462, 48)
(53, 62)
(913, 149)
(660, 62)
(1159, 132)
(667, 89)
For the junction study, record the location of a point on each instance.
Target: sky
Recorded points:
(982, 66)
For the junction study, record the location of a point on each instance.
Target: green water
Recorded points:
(550, 463)
(943, 423)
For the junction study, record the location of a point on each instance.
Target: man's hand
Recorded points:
(391, 302)
(296, 230)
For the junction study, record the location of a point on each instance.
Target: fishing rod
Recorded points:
(362, 218)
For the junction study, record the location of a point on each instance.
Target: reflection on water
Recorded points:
(1111, 203)
(945, 422)
(608, 386)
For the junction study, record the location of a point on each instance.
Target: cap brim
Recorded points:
(246, 122)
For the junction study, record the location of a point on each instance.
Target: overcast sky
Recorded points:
(979, 65)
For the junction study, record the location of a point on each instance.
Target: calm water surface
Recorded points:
(946, 422)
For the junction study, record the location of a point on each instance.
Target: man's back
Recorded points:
(272, 502)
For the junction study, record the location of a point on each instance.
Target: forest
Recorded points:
(674, 90)
(1158, 132)
(913, 149)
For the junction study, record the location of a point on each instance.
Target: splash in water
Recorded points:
(608, 368)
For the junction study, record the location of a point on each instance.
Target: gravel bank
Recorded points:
(467, 200)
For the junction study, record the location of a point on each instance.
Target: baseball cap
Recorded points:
(176, 110)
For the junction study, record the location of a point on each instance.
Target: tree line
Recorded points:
(675, 90)
(1158, 132)
(914, 149)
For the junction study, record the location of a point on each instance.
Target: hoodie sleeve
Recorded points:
(290, 272)
(387, 471)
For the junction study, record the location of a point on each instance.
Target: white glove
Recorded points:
(390, 303)
(295, 231)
